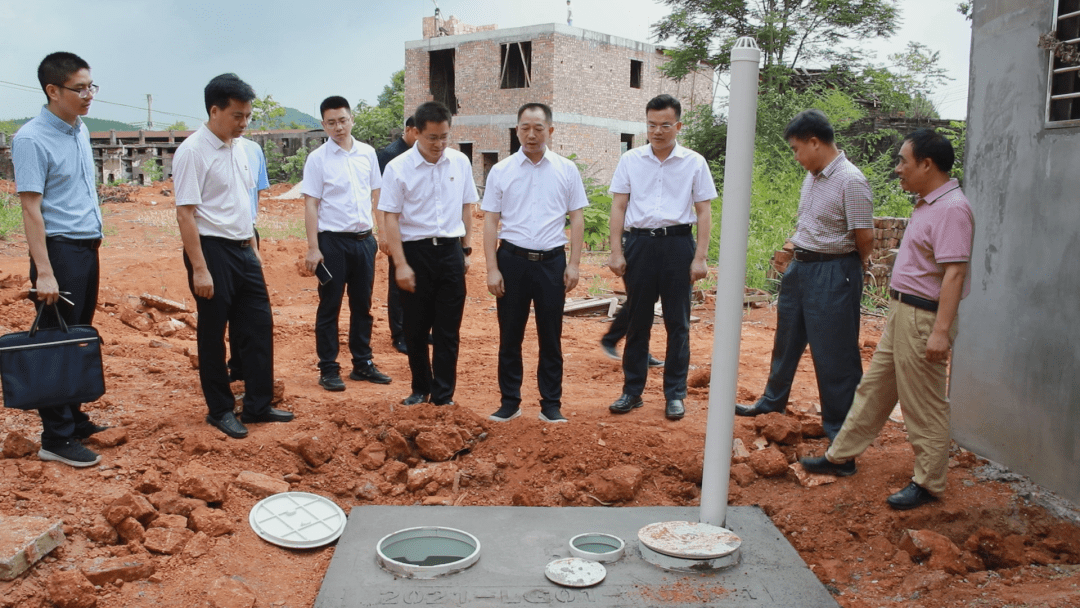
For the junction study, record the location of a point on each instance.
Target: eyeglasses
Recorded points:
(83, 93)
(664, 127)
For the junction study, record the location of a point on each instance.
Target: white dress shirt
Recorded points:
(533, 199)
(216, 178)
(428, 196)
(343, 181)
(662, 193)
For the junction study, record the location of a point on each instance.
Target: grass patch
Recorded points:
(282, 229)
(10, 215)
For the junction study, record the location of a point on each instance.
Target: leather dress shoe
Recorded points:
(399, 346)
(447, 402)
(820, 465)
(626, 403)
(654, 362)
(415, 398)
(272, 414)
(332, 383)
(750, 410)
(369, 373)
(229, 425)
(610, 352)
(675, 409)
(910, 497)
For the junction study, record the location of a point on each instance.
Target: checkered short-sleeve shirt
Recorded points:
(832, 205)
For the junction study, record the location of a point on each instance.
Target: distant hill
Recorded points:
(306, 121)
(94, 124)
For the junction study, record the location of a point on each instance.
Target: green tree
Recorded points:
(9, 127)
(177, 126)
(787, 31)
(375, 124)
(152, 170)
(266, 114)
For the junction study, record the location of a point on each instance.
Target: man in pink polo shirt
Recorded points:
(929, 279)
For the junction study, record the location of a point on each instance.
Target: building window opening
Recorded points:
(441, 77)
(1064, 95)
(635, 74)
(515, 143)
(466, 149)
(626, 142)
(516, 65)
(490, 159)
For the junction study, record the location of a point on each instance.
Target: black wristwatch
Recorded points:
(467, 250)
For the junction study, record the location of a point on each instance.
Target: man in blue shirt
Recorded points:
(54, 175)
(257, 163)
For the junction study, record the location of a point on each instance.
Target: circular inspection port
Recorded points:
(427, 552)
(597, 547)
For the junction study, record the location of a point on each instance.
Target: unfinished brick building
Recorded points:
(596, 84)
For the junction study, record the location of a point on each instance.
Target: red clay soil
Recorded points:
(165, 471)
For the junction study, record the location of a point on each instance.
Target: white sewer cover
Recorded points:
(575, 572)
(689, 540)
(297, 520)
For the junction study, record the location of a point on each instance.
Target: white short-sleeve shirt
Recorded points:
(343, 181)
(428, 196)
(534, 198)
(662, 193)
(215, 177)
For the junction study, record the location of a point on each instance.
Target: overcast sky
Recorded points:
(302, 52)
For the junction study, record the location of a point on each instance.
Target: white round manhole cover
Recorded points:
(689, 540)
(575, 572)
(297, 520)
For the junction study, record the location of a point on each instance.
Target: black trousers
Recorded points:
(657, 267)
(235, 365)
(75, 266)
(819, 306)
(617, 330)
(351, 263)
(394, 313)
(435, 308)
(539, 283)
(240, 300)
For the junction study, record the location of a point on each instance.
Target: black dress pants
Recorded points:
(351, 263)
(75, 266)
(539, 283)
(819, 306)
(241, 300)
(394, 314)
(658, 267)
(436, 308)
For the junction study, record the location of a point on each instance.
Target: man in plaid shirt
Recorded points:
(822, 288)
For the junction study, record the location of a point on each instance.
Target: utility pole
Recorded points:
(149, 111)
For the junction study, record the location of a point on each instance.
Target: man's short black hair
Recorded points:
(928, 143)
(56, 68)
(225, 87)
(536, 106)
(334, 102)
(410, 122)
(663, 102)
(431, 111)
(808, 124)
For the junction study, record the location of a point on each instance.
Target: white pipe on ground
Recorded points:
(730, 280)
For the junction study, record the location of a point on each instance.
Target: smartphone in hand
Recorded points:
(323, 274)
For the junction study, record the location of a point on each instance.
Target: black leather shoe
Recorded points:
(229, 425)
(272, 414)
(910, 497)
(86, 429)
(414, 398)
(369, 373)
(443, 403)
(819, 465)
(332, 383)
(626, 403)
(399, 346)
(654, 362)
(750, 410)
(675, 409)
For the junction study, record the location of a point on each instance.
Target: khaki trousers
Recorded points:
(899, 370)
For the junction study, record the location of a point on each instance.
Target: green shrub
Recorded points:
(10, 215)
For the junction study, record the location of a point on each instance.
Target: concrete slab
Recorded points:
(24, 541)
(517, 543)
